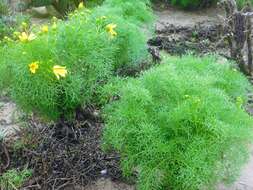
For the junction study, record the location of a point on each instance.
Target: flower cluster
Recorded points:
(25, 36)
(59, 71)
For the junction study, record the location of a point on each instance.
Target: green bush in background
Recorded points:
(8, 21)
(4, 9)
(242, 3)
(193, 3)
(89, 48)
(181, 125)
(64, 6)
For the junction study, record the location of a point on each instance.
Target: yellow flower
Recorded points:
(44, 29)
(60, 71)
(81, 5)
(110, 29)
(34, 66)
(25, 37)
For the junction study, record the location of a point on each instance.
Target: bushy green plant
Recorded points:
(64, 6)
(242, 3)
(89, 47)
(131, 41)
(9, 22)
(193, 3)
(181, 125)
(4, 8)
(14, 179)
(69, 47)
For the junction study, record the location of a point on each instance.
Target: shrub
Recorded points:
(193, 3)
(64, 6)
(4, 9)
(9, 22)
(69, 47)
(89, 47)
(242, 3)
(131, 41)
(181, 125)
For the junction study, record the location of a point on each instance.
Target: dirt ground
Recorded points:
(245, 181)
(103, 184)
(178, 17)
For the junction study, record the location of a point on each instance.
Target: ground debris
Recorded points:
(64, 155)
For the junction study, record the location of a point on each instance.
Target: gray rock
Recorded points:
(40, 12)
(9, 120)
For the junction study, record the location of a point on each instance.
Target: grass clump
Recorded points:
(14, 179)
(181, 125)
(55, 69)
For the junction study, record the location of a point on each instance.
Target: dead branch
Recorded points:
(238, 34)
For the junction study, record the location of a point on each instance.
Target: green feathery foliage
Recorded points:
(181, 125)
(85, 45)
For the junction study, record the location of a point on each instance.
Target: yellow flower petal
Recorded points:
(44, 29)
(31, 37)
(110, 29)
(81, 5)
(33, 67)
(25, 37)
(60, 71)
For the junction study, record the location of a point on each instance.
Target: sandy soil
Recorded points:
(103, 184)
(179, 17)
(245, 181)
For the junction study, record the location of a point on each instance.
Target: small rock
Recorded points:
(9, 120)
(40, 12)
(104, 172)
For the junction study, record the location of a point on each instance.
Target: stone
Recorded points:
(40, 12)
(9, 120)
